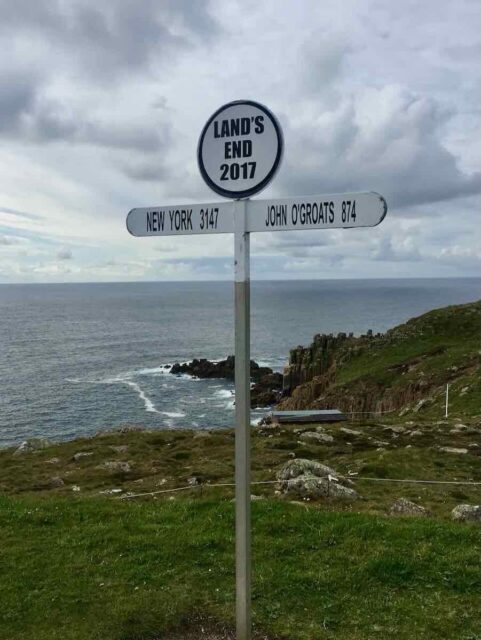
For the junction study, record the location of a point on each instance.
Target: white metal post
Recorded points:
(242, 413)
(447, 400)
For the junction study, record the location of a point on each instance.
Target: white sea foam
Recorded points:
(172, 414)
(160, 370)
(149, 405)
(224, 393)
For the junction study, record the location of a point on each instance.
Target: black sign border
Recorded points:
(246, 193)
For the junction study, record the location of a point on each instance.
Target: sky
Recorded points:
(102, 104)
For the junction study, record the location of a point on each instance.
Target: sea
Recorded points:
(76, 359)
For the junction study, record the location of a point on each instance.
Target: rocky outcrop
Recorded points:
(309, 479)
(267, 387)
(267, 390)
(204, 368)
(367, 374)
(306, 363)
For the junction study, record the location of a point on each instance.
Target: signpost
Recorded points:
(239, 152)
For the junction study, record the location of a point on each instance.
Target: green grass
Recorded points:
(98, 569)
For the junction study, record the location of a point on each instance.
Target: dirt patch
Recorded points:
(207, 629)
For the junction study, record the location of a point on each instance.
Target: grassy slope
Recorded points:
(97, 569)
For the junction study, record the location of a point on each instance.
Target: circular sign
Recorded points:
(240, 149)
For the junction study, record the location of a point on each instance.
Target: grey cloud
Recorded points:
(390, 144)
(109, 38)
(7, 240)
(64, 254)
(17, 98)
(324, 62)
(152, 170)
(33, 119)
(128, 136)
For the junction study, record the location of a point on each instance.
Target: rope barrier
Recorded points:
(463, 482)
(201, 487)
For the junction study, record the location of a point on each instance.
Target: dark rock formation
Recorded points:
(320, 358)
(267, 386)
(204, 368)
(267, 391)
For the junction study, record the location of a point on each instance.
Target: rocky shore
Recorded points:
(267, 384)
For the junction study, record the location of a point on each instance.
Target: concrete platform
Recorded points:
(316, 415)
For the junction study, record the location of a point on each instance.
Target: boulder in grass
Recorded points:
(82, 454)
(32, 444)
(116, 466)
(301, 466)
(404, 507)
(316, 437)
(309, 479)
(119, 448)
(467, 513)
(350, 432)
(309, 486)
(55, 483)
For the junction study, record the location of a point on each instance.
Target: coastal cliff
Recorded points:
(405, 369)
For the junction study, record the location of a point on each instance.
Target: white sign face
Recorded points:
(240, 149)
(181, 220)
(339, 211)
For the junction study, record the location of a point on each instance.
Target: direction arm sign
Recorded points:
(181, 220)
(339, 211)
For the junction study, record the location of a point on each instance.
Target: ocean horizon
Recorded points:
(78, 358)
